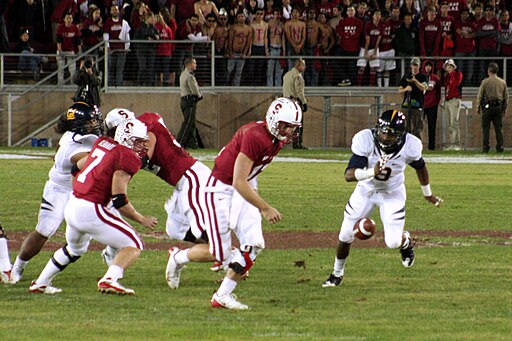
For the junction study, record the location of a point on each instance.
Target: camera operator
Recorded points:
(413, 85)
(88, 80)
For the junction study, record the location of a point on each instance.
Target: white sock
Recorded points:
(51, 270)
(5, 262)
(227, 287)
(115, 272)
(339, 267)
(19, 263)
(181, 257)
(386, 81)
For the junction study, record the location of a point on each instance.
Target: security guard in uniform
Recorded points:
(293, 87)
(492, 103)
(190, 95)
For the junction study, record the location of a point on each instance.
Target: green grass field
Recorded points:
(459, 291)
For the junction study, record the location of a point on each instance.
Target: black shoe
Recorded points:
(500, 150)
(408, 252)
(332, 281)
(485, 150)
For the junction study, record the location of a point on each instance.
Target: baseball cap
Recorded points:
(22, 32)
(449, 62)
(415, 61)
(223, 11)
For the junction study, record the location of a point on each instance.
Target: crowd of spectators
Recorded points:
(373, 33)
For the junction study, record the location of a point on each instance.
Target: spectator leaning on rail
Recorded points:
(452, 101)
(492, 101)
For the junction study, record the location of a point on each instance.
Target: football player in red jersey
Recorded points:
(233, 201)
(103, 178)
(186, 209)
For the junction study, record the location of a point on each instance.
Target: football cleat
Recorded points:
(16, 273)
(5, 276)
(332, 281)
(109, 286)
(407, 252)
(43, 289)
(173, 269)
(227, 301)
(218, 266)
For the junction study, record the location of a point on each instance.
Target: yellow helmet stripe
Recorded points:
(393, 115)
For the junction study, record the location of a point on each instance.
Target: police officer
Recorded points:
(492, 103)
(190, 95)
(293, 87)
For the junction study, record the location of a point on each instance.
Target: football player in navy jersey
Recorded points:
(378, 163)
(81, 125)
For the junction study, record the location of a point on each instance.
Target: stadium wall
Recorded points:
(331, 121)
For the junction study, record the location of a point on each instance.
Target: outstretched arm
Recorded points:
(422, 174)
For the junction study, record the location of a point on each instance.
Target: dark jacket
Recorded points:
(406, 41)
(88, 87)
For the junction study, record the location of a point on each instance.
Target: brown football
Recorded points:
(364, 228)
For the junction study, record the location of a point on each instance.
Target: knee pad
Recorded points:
(62, 258)
(242, 261)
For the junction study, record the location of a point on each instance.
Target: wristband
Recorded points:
(119, 200)
(427, 192)
(363, 173)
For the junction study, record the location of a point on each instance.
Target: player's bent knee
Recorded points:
(393, 242)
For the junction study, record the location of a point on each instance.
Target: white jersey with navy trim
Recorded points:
(70, 144)
(363, 144)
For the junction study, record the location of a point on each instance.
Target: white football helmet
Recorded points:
(116, 116)
(133, 134)
(283, 114)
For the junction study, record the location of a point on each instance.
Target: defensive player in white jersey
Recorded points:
(186, 209)
(97, 205)
(81, 125)
(378, 163)
(232, 197)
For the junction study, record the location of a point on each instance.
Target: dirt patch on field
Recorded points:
(305, 239)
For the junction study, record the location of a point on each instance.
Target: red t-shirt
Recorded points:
(349, 30)
(113, 28)
(173, 160)
(164, 48)
(430, 36)
(374, 32)
(184, 9)
(452, 81)
(256, 142)
(388, 35)
(454, 8)
(94, 182)
(465, 45)
(489, 42)
(69, 37)
(505, 49)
